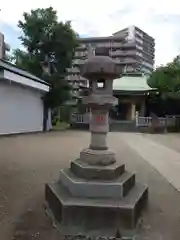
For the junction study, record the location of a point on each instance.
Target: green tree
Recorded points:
(49, 49)
(167, 79)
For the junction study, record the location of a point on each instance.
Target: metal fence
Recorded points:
(162, 122)
(80, 118)
(168, 121)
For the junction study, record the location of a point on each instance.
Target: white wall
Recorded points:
(21, 109)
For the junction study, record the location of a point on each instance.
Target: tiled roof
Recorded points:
(131, 83)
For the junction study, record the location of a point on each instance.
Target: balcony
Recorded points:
(139, 41)
(123, 53)
(148, 65)
(117, 53)
(126, 61)
(80, 54)
(73, 70)
(129, 45)
(148, 54)
(116, 45)
(82, 47)
(78, 61)
(140, 34)
(73, 78)
(76, 77)
(104, 45)
(77, 85)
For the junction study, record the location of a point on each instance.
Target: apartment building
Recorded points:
(132, 48)
(4, 48)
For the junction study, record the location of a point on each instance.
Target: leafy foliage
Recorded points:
(49, 49)
(167, 79)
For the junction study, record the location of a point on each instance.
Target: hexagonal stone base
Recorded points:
(84, 170)
(80, 187)
(88, 215)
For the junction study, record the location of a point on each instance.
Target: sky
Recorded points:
(159, 19)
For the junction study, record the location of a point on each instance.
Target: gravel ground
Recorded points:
(27, 162)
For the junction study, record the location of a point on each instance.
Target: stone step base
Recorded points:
(84, 170)
(87, 215)
(81, 187)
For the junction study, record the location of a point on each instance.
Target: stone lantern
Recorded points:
(96, 195)
(100, 71)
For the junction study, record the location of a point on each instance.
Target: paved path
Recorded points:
(163, 158)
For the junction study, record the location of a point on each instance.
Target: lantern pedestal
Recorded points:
(95, 196)
(95, 200)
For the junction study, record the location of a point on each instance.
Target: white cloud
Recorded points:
(105, 17)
